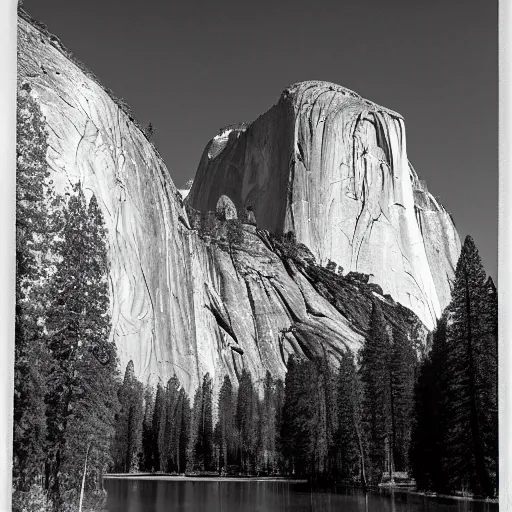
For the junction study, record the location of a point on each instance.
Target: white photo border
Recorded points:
(8, 26)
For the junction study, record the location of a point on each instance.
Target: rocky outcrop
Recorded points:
(225, 209)
(186, 189)
(186, 301)
(332, 167)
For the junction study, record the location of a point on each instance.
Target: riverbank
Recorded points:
(383, 489)
(388, 489)
(201, 478)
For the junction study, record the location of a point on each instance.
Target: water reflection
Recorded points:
(252, 496)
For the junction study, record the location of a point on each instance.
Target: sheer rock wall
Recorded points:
(332, 167)
(182, 304)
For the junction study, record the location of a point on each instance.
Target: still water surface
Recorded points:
(253, 496)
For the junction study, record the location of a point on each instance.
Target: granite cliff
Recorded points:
(185, 300)
(332, 167)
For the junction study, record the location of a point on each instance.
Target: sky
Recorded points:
(191, 67)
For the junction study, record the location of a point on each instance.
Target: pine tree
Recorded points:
(267, 426)
(194, 462)
(303, 427)
(203, 425)
(287, 428)
(128, 438)
(207, 423)
(162, 433)
(200, 443)
(427, 448)
(328, 417)
(374, 375)
(81, 398)
(489, 363)
(246, 422)
(184, 433)
(156, 421)
(471, 430)
(225, 428)
(168, 427)
(279, 404)
(402, 365)
(146, 459)
(349, 436)
(150, 131)
(32, 231)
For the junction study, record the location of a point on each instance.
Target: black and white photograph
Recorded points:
(255, 257)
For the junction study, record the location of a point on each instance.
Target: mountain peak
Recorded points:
(332, 167)
(307, 92)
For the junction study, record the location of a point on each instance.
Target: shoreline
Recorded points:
(201, 478)
(387, 489)
(390, 489)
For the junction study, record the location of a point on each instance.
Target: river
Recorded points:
(143, 495)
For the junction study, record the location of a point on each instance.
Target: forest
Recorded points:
(385, 415)
(389, 412)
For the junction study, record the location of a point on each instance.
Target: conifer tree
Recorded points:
(303, 423)
(316, 416)
(146, 459)
(246, 421)
(184, 431)
(293, 425)
(267, 426)
(349, 436)
(162, 433)
(200, 451)
(328, 419)
(225, 428)
(471, 427)
(156, 421)
(32, 230)
(170, 429)
(402, 364)
(427, 448)
(81, 398)
(128, 439)
(194, 462)
(488, 386)
(279, 402)
(375, 378)
(204, 449)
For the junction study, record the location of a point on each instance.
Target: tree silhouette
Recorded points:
(471, 424)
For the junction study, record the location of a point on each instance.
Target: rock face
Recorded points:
(92, 140)
(226, 209)
(186, 189)
(332, 167)
(186, 301)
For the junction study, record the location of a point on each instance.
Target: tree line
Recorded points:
(387, 413)
(350, 423)
(161, 429)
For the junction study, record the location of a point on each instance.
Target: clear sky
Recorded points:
(192, 66)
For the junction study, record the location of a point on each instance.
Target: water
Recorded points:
(252, 496)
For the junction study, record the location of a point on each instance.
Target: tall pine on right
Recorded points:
(471, 419)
